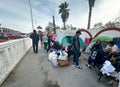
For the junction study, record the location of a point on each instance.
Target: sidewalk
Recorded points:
(36, 71)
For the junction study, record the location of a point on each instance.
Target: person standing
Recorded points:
(49, 43)
(76, 46)
(35, 39)
(41, 34)
(45, 41)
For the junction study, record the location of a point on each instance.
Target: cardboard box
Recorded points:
(115, 84)
(63, 63)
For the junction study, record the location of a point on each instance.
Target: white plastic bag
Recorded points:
(54, 58)
(55, 64)
(107, 68)
(51, 55)
(63, 55)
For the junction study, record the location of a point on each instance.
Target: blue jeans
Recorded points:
(76, 57)
(90, 60)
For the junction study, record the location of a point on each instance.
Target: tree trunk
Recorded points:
(89, 17)
(64, 26)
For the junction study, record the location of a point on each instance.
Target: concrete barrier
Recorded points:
(119, 80)
(11, 53)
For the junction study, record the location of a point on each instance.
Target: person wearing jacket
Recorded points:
(76, 47)
(35, 39)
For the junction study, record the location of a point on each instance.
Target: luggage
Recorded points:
(63, 63)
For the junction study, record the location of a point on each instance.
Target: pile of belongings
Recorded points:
(107, 68)
(58, 58)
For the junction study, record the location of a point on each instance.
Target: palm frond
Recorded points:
(64, 12)
(66, 4)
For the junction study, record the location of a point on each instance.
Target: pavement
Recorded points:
(34, 70)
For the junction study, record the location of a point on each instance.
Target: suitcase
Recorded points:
(63, 63)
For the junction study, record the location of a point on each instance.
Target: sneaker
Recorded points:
(74, 63)
(87, 65)
(79, 67)
(110, 82)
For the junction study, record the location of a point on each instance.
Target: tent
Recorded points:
(66, 37)
(102, 38)
(69, 39)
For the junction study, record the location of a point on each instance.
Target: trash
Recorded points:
(55, 64)
(107, 68)
(63, 56)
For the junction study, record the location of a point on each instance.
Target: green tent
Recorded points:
(69, 39)
(102, 38)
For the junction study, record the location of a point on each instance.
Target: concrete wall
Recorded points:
(11, 53)
(119, 80)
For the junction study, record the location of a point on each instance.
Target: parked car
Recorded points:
(11, 36)
(3, 36)
(23, 35)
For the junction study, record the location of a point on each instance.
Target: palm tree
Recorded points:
(64, 11)
(91, 4)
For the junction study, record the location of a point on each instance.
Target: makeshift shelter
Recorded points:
(66, 37)
(104, 41)
(69, 40)
(102, 38)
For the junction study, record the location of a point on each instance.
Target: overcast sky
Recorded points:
(16, 13)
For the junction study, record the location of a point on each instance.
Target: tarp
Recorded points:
(65, 37)
(102, 38)
(69, 39)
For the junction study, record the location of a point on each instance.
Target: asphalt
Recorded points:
(34, 70)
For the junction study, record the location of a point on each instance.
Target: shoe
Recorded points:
(79, 67)
(110, 82)
(87, 65)
(74, 63)
(36, 51)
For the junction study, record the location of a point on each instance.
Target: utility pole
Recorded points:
(89, 17)
(31, 14)
(91, 4)
(54, 25)
(35, 23)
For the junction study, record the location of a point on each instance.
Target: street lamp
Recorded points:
(31, 14)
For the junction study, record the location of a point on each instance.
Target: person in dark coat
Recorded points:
(76, 46)
(97, 42)
(35, 39)
(97, 57)
(49, 42)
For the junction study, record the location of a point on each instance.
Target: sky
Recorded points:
(15, 14)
